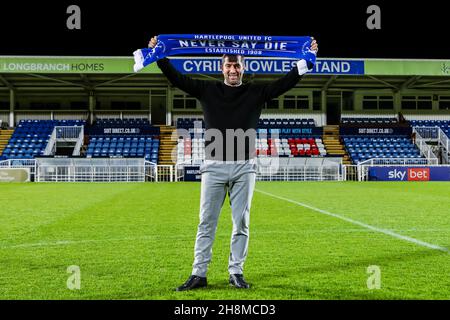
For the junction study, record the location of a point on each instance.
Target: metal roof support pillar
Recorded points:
(91, 107)
(324, 105)
(12, 102)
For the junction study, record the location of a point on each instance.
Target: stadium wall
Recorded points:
(369, 114)
(24, 115)
(70, 116)
(4, 117)
(319, 117)
(426, 116)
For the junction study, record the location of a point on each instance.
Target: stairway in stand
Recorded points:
(333, 144)
(5, 135)
(167, 145)
(85, 146)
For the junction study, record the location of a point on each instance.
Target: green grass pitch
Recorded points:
(135, 241)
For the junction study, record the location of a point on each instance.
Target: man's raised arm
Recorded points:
(287, 82)
(191, 86)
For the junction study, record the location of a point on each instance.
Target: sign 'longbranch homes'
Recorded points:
(211, 65)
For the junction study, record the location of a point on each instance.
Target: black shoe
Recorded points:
(238, 281)
(192, 283)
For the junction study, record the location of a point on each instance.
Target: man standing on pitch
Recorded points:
(227, 105)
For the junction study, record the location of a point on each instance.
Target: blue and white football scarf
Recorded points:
(215, 44)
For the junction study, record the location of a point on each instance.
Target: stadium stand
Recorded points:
(125, 138)
(275, 137)
(189, 123)
(191, 149)
(124, 146)
(364, 148)
(288, 138)
(291, 147)
(390, 147)
(30, 137)
(443, 124)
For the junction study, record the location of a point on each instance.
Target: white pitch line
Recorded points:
(76, 242)
(362, 224)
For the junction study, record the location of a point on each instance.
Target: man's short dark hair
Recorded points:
(232, 57)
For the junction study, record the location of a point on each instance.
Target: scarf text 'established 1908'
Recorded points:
(215, 44)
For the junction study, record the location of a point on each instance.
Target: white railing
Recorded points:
(444, 143)
(306, 173)
(150, 171)
(424, 147)
(51, 145)
(90, 174)
(428, 133)
(288, 169)
(79, 144)
(179, 169)
(398, 161)
(90, 170)
(93, 170)
(67, 133)
(164, 173)
(350, 172)
(21, 163)
(444, 140)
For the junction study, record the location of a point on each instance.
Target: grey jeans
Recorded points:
(218, 178)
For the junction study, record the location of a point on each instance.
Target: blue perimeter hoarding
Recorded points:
(409, 173)
(192, 173)
(101, 131)
(268, 65)
(374, 131)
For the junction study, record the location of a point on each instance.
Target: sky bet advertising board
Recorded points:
(409, 174)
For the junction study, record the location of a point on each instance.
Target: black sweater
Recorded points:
(226, 107)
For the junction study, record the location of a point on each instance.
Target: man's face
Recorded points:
(233, 71)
